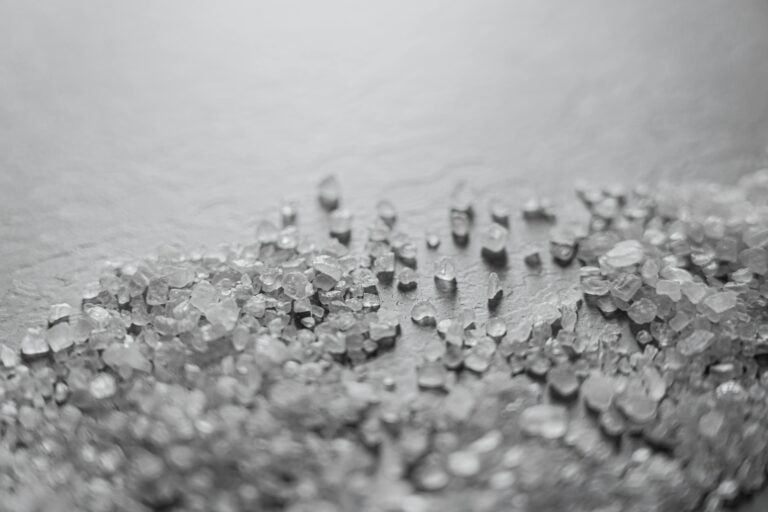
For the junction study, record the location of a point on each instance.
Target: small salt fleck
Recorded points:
(34, 344)
(544, 420)
(424, 313)
(407, 279)
(642, 311)
(496, 328)
(499, 211)
(432, 239)
(103, 386)
(598, 391)
(341, 225)
(445, 273)
(494, 241)
(59, 312)
(464, 463)
(563, 381)
(696, 343)
(329, 192)
(460, 227)
(59, 337)
(297, 286)
(494, 289)
(386, 212)
(532, 259)
(431, 375)
(721, 302)
(625, 254)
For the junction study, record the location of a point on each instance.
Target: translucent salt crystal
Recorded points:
(695, 292)
(563, 381)
(288, 213)
(266, 232)
(59, 312)
(625, 254)
(329, 192)
(432, 239)
(424, 313)
(642, 311)
(157, 292)
(696, 343)
(328, 271)
(637, 407)
(407, 254)
(595, 286)
(59, 337)
(499, 211)
(386, 212)
(598, 391)
(341, 225)
(464, 463)
(721, 302)
(680, 321)
(612, 423)
(496, 328)
(494, 240)
(650, 272)
(34, 344)
(431, 374)
(671, 289)
(674, 273)
(460, 226)
(532, 259)
(288, 238)
(479, 357)
(654, 383)
(202, 295)
(625, 286)
(103, 386)
(407, 279)
(607, 306)
(461, 198)
(544, 420)
(538, 209)
(445, 272)
(562, 246)
(8, 357)
(494, 290)
(384, 266)
(224, 313)
(297, 286)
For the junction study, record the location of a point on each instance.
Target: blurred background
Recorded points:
(127, 126)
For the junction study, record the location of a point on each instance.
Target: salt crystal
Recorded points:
(431, 375)
(721, 302)
(642, 311)
(464, 463)
(460, 227)
(341, 225)
(407, 279)
(33, 344)
(696, 343)
(157, 292)
(544, 420)
(432, 239)
(625, 286)
(224, 313)
(386, 212)
(499, 212)
(598, 391)
(695, 292)
(8, 357)
(612, 423)
(424, 313)
(202, 295)
(563, 381)
(562, 246)
(538, 209)
(297, 286)
(494, 241)
(494, 291)
(637, 407)
(288, 213)
(445, 273)
(103, 386)
(496, 328)
(329, 192)
(266, 232)
(671, 289)
(59, 312)
(532, 259)
(625, 254)
(461, 198)
(59, 337)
